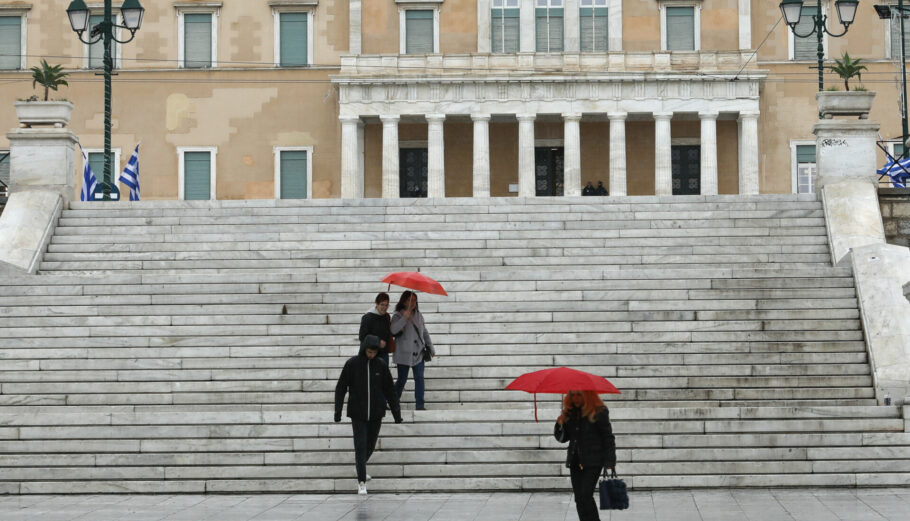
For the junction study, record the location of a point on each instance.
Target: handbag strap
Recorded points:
(612, 473)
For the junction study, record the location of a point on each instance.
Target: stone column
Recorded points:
(390, 154)
(526, 42)
(571, 27)
(663, 174)
(745, 24)
(708, 152)
(436, 159)
(572, 165)
(484, 36)
(617, 153)
(481, 154)
(614, 31)
(350, 162)
(748, 175)
(526, 185)
(355, 24)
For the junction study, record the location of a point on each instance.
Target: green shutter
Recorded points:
(898, 150)
(805, 48)
(197, 40)
(896, 38)
(96, 50)
(505, 30)
(197, 172)
(10, 42)
(805, 153)
(549, 30)
(593, 29)
(293, 33)
(293, 174)
(680, 28)
(419, 31)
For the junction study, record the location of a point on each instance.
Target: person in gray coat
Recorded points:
(411, 337)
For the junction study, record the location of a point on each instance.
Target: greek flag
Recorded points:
(89, 182)
(130, 175)
(899, 172)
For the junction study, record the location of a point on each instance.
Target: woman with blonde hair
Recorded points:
(585, 424)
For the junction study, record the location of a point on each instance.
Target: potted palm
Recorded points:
(45, 112)
(857, 102)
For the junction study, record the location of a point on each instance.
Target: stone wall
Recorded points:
(895, 204)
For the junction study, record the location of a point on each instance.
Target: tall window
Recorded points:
(198, 40)
(805, 48)
(11, 42)
(293, 172)
(419, 35)
(896, 38)
(293, 36)
(680, 27)
(549, 26)
(806, 171)
(197, 173)
(96, 50)
(593, 25)
(505, 27)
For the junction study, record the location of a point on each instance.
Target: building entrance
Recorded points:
(412, 173)
(548, 170)
(686, 168)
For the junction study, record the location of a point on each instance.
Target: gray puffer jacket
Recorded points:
(410, 337)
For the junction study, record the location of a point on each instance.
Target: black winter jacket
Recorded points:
(379, 325)
(590, 444)
(370, 385)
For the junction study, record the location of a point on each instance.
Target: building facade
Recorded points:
(246, 99)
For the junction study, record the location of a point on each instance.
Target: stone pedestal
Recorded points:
(43, 159)
(845, 149)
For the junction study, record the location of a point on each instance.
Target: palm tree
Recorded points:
(847, 68)
(49, 76)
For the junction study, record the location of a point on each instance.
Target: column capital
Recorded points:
(480, 117)
(435, 118)
(708, 115)
(390, 119)
(617, 115)
(350, 119)
(572, 116)
(746, 114)
(526, 117)
(662, 115)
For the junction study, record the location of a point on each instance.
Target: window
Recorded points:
(549, 26)
(197, 174)
(805, 48)
(806, 170)
(505, 26)
(12, 42)
(96, 160)
(293, 172)
(197, 39)
(294, 39)
(895, 30)
(593, 25)
(4, 171)
(94, 53)
(419, 33)
(680, 28)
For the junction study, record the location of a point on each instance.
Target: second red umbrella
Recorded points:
(416, 281)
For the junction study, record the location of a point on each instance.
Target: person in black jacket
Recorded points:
(377, 322)
(585, 424)
(369, 383)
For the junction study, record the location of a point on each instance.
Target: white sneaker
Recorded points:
(369, 477)
(362, 488)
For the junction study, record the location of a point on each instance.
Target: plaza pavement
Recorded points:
(892, 504)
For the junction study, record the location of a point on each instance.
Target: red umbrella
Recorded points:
(415, 281)
(560, 380)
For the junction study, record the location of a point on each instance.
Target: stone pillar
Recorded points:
(526, 185)
(571, 27)
(481, 154)
(484, 35)
(708, 152)
(436, 159)
(663, 174)
(572, 166)
(390, 155)
(44, 159)
(350, 162)
(526, 41)
(354, 27)
(617, 153)
(614, 31)
(748, 175)
(745, 24)
(845, 150)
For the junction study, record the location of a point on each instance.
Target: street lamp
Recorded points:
(131, 12)
(846, 12)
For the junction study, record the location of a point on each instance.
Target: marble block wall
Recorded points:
(895, 203)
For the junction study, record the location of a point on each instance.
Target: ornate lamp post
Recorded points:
(846, 12)
(79, 16)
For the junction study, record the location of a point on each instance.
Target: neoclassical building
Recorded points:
(252, 99)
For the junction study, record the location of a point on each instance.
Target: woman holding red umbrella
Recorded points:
(411, 337)
(585, 424)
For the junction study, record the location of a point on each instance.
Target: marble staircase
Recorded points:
(193, 347)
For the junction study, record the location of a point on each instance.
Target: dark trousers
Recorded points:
(418, 382)
(584, 481)
(365, 435)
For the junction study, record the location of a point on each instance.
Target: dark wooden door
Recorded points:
(548, 170)
(412, 172)
(686, 169)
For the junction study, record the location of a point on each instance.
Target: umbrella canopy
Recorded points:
(415, 281)
(560, 380)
